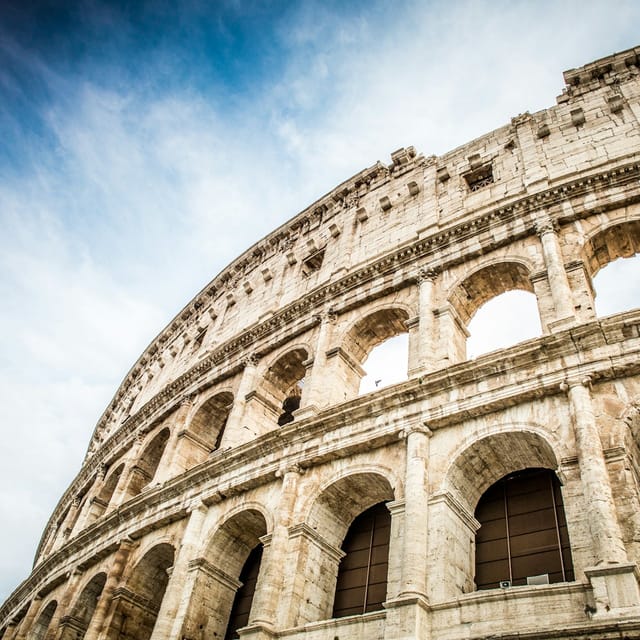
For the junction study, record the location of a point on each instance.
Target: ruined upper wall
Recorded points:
(382, 209)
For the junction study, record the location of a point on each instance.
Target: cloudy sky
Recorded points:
(143, 148)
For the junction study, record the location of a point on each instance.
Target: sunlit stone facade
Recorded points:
(399, 513)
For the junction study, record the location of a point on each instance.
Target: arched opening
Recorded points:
(147, 464)
(75, 625)
(100, 503)
(503, 321)
(470, 473)
(378, 342)
(386, 364)
(42, 623)
(207, 425)
(503, 295)
(225, 578)
(341, 520)
(138, 603)
(283, 384)
(611, 259)
(361, 585)
(523, 535)
(243, 600)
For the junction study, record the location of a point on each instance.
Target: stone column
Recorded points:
(169, 470)
(125, 476)
(314, 393)
(556, 274)
(12, 629)
(27, 621)
(97, 624)
(62, 609)
(421, 334)
(174, 604)
(615, 581)
(273, 568)
(603, 521)
(452, 336)
(237, 413)
(414, 547)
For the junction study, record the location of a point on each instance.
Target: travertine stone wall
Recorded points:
(241, 423)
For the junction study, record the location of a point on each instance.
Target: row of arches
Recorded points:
(383, 342)
(522, 539)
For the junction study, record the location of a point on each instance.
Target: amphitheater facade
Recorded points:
(238, 486)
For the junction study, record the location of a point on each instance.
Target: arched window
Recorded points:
(145, 468)
(523, 536)
(503, 321)
(138, 604)
(41, 626)
(244, 596)
(362, 576)
(75, 625)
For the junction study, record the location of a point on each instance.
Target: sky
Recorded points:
(144, 146)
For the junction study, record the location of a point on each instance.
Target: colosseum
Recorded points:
(240, 486)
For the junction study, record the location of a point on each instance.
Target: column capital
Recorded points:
(249, 360)
(416, 427)
(545, 225)
(329, 315)
(187, 401)
(294, 468)
(570, 383)
(426, 274)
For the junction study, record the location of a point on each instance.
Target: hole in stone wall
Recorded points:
(503, 321)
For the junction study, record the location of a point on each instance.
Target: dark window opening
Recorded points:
(244, 596)
(289, 405)
(312, 263)
(479, 178)
(362, 576)
(523, 536)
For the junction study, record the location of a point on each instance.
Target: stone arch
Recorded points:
(618, 239)
(362, 336)
(209, 417)
(616, 242)
(144, 470)
(475, 465)
(100, 502)
(75, 625)
(283, 382)
(483, 461)
(328, 518)
(217, 572)
(487, 281)
(43, 621)
(204, 430)
(137, 603)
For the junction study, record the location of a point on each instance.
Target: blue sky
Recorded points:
(143, 147)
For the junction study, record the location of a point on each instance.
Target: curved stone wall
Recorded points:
(241, 423)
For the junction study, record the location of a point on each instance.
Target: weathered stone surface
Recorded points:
(241, 424)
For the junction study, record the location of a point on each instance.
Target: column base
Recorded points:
(407, 618)
(257, 631)
(306, 412)
(561, 323)
(616, 589)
